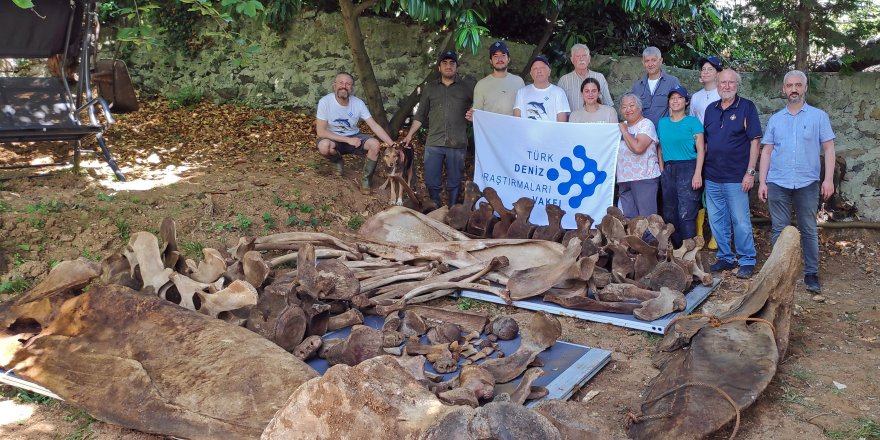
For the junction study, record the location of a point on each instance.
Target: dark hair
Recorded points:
(598, 87)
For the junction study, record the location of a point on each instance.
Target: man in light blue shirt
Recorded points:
(790, 169)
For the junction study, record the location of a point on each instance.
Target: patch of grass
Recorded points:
(802, 374)
(5, 207)
(269, 222)
(293, 220)
(84, 429)
(861, 428)
(306, 208)
(50, 207)
(325, 207)
(37, 223)
(124, 229)
(653, 338)
(18, 260)
(186, 97)
(105, 197)
(87, 253)
(192, 249)
(464, 304)
(244, 222)
(224, 227)
(15, 285)
(355, 222)
(849, 317)
(32, 397)
(54, 262)
(793, 396)
(23, 247)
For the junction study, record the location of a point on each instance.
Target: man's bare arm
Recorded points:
(323, 132)
(379, 131)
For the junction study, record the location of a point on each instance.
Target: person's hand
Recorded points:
(827, 189)
(762, 191)
(748, 182)
(469, 115)
(697, 181)
(622, 126)
(353, 141)
(406, 141)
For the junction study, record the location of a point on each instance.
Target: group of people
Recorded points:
(708, 148)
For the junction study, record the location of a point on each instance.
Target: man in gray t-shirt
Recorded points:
(496, 92)
(336, 124)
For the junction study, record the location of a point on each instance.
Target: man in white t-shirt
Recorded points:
(571, 82)
(541, 100)
(337, 127)
(709, 68)
(497, 91)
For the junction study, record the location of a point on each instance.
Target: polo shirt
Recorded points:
(655, 105)
(729, 133)
(442, 109)
(797, 144)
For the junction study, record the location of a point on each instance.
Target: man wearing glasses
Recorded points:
(733, 134)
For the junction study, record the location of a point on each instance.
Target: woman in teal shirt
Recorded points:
(682, 151)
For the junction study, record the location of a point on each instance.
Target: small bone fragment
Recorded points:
(289, 328)
(255, 269)
(345, 319)
(553, 231)
(308, 348)
(392, 322)
(145, 251)
(443, 333)
(521, 226)
(505, 327)
(540, 333)
(466, 321)
(363, 343)
(475, 384)
(667, 302)
(236, 295)
(392, 338)
(625, 292)
(481, 221)
(394, 351)
(413, 324)
(522, 391)
(537, 392)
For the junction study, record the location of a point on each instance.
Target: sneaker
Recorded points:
(745, 272)
(811, 281)
(721, 265)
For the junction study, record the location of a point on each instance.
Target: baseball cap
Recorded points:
(448, 55)
(540, 58)
(714, 61)
(681, 91)
(498, 46)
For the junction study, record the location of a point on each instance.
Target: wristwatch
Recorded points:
(751, 172)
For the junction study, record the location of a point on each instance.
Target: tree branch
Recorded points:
(363, 7)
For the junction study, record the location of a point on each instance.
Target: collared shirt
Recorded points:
(571, 83)
(497, 95)
(729, 133)
(442, 109)
(655, 106)
(797, 143)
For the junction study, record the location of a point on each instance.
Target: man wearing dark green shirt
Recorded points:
(443, 106)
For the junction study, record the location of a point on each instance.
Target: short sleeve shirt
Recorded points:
(604, 114)
(631, 166)
(497, 95)
(678, 139)
(797, 143)
(342, 120)
(700, 101)
(541, 104)
(571, 83)
(729, 133)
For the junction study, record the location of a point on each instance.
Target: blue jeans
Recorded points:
(435, 157)
(681, 201)
(728, 206)
(806, 205)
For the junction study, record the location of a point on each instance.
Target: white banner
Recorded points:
(570, 165)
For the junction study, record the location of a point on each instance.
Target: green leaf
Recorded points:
(24, 4)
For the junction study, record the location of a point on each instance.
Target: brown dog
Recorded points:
(400, 172)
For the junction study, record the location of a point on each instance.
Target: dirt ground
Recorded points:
(223, 172)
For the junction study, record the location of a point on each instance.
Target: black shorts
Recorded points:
(345, 147)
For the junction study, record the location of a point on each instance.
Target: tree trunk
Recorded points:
(407, 104)
(802, 45)
(363, 66)
(548, 32)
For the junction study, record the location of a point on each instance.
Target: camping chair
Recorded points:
(45, 109)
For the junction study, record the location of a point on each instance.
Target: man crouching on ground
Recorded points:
(337, 128)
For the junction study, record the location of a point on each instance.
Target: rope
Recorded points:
(715, 321)
(638, 418)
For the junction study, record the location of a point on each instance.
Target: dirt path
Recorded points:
(224, 172)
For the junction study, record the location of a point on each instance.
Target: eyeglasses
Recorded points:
(708, 69)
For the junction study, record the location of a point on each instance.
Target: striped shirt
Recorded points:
(571, 83)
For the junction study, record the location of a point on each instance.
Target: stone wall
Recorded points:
(295, 70)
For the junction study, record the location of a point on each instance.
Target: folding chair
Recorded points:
(45, 109)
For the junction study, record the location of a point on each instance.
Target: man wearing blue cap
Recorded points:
(683, 150)
(709, 69)
(541, 100)
(497, 91)
(443, 106)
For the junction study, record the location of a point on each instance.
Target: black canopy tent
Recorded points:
(46, 109)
